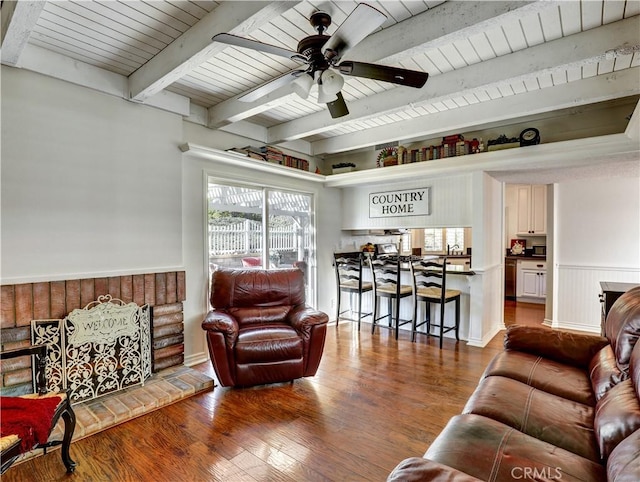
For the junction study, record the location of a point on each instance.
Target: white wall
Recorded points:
(451, 204)
(597, 233)
(487, 285)
(90, 183)
(93, 185)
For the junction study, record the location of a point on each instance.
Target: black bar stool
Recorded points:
(349, 279)
(429, 286)
(387, 284)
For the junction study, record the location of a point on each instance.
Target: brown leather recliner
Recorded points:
(260, 329)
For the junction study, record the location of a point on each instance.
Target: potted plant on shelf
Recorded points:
(388, 157)
(343, 167)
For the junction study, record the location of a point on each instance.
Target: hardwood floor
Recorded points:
(374, 402)
(523, 313)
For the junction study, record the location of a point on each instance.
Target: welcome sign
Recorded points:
(409, 202)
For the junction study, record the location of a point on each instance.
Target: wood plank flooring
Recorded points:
(374, 402)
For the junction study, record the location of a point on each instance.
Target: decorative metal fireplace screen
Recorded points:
(100, 349)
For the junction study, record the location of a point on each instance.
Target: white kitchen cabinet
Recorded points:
(531, 209)
(531, 280)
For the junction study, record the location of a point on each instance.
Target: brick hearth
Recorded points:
(163, 388)
(22, 303)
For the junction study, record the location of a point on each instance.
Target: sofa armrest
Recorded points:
(223, 322)
(302, 318)
(562, 346)
(417, 469)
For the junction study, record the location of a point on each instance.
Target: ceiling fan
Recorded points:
(322, 54)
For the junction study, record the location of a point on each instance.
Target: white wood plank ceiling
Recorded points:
(488, 61)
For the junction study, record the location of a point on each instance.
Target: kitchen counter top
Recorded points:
(529, 258)
(451, 269)
(457, 269)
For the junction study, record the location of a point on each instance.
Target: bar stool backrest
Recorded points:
(348, 270)
(386, 274)
(429, 279)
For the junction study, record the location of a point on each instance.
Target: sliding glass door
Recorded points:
(259, 227)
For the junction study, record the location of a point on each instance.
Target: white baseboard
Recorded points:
(481, 343)
(196, 358)
(573, 326)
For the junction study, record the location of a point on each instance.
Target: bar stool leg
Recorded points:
(441, 323)
(397, 300)
(338, 306)
(457, 317)
(414, 321)
(375, 314)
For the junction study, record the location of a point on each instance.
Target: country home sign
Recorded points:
(409, 202)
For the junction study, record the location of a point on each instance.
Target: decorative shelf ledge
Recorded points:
(555, 155)
(566, 154)
(240, 160)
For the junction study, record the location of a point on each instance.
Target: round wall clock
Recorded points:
(530, 137)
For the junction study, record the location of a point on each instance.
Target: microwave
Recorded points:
(538, 250)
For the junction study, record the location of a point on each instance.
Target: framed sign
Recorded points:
(409, 202)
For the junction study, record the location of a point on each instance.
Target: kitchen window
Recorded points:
(437, 239)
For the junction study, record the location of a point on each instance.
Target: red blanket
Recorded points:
(28, 418)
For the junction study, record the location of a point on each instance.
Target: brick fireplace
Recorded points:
(21, 303)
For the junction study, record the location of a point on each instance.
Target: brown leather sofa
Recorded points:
(552, 406)
(260, 330)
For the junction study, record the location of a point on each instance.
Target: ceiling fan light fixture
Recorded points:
(329, 84)
(302, 85)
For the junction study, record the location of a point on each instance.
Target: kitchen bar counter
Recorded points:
(528, 258)
(457, 269)
(451, 269)
(460, 280)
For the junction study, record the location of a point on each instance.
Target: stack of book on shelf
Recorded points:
(452, 146)
(273, 155)
(249, 151)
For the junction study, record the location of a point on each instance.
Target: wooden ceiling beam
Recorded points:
(434, 27)
(194, 47)
(17, 22)
(493, 113)
(591, 46)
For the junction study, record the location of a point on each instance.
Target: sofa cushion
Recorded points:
(624, 462)
(562, 346)
(604, 372)
(622, 326)
(490, 450)
(617, 416)
(256, 287)
(416, 469)
(268, 344)
(547, 417)
(259, 315)
(547, 375)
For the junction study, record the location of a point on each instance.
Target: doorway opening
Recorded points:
(525, 263)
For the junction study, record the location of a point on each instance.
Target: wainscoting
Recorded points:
(577, 302)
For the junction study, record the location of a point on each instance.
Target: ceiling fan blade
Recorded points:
(361, 22)
(270, 86)
(227, 38)
(338, 108)
(395, 75)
